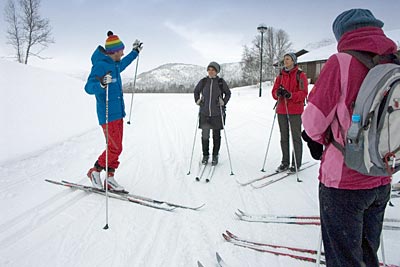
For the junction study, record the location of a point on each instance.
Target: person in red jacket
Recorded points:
(352, 205)
(290, 90)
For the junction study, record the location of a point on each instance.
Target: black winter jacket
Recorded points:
(210, 94)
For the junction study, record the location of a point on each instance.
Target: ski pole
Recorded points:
(106, 226)
(383, 250)
(226, 139)
(291, 137)
(318, 261)
(269, 140)
(133, 90)
(194, 142)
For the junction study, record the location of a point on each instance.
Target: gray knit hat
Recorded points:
(353, 19)
(293, 56)
(214, 65)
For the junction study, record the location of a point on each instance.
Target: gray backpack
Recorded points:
(373, 144)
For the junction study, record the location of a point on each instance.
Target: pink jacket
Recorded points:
(330, 104)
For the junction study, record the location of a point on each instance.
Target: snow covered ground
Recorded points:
(42, 224)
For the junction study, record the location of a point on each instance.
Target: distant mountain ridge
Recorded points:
(181, 78)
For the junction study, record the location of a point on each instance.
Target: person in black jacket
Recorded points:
(211, 94)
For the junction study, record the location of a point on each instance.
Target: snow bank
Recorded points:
(39, 108)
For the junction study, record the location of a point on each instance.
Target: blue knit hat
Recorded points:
(353, 19)
(293, 56)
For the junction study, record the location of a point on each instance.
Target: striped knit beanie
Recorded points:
(113, 43)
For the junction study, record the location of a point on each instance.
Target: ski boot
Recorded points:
(94, 176)
(112, 184)
(214, 160)
(204, 161)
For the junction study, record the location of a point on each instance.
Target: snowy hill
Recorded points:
(177, 77)
(40, 108)
(46, 225)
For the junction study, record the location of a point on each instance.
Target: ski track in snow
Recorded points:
(48, 225)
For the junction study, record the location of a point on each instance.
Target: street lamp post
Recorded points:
(261, 28)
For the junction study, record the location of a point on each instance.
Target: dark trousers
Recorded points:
(295, 125)
(351, 224)
(205, 141)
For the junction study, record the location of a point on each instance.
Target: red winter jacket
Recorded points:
(330, 105)
(289, 81)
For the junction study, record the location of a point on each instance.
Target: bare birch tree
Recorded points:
(27, 29)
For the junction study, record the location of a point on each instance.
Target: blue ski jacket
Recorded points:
(101, 64)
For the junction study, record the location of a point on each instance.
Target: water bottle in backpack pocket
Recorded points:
(354, 152)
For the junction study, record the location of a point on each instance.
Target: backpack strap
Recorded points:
(370, 60)
(367, 60)
(299, 81)
(220, 84)
(203, 83)
(344, 65)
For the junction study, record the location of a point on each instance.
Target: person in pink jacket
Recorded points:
(352, 205)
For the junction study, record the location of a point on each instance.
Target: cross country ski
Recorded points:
(264, 176)
(299, 220)
(307, 255)
(271, 181)
(145, 201)
(207, 174)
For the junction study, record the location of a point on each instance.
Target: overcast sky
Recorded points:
(185, 31)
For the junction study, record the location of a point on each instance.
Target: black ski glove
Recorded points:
(316, 149)
(283, 92)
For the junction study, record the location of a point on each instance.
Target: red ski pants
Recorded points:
(115, 132)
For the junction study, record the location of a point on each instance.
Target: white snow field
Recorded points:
(43, 224)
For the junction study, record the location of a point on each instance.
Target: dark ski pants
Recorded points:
(351, 225)
(205, 141)
(295, 125)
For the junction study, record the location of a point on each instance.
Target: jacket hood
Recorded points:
(100, 55)
(369, 39)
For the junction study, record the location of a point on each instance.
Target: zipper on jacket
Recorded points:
(209, 104)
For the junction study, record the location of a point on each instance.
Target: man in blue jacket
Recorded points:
(107, 65)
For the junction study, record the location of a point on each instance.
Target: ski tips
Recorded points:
(227, 238)
(219, 258)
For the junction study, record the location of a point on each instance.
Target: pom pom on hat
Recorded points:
(113, 43)
(353, 19)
